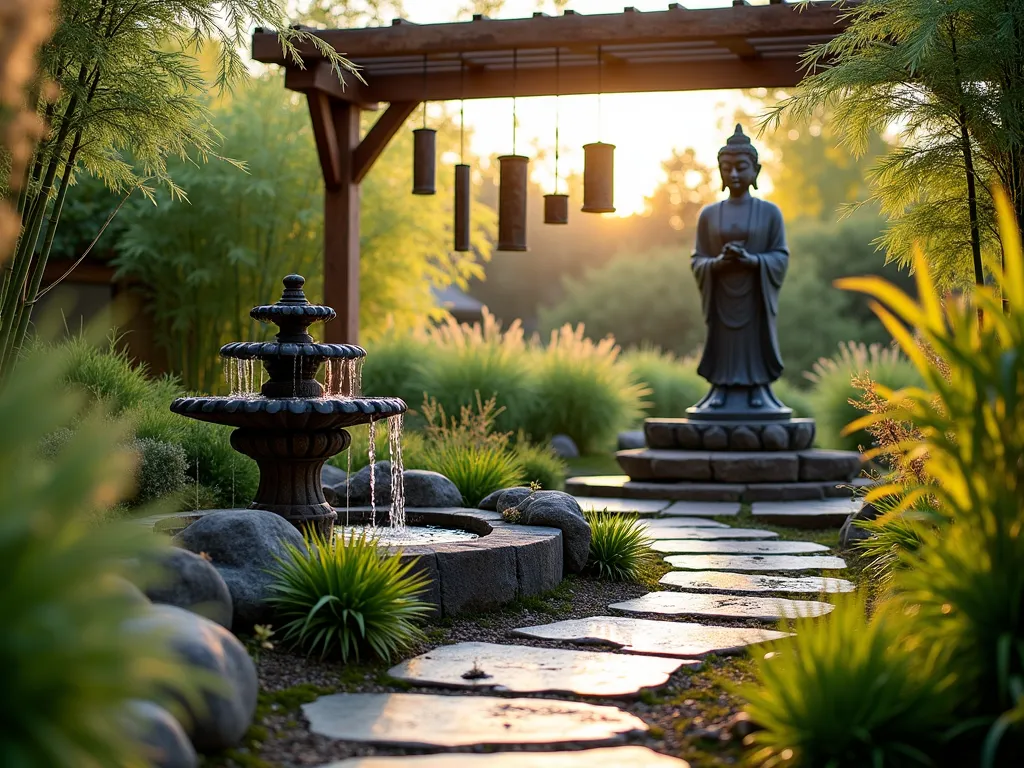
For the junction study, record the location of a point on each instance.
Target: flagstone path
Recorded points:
(602, 656)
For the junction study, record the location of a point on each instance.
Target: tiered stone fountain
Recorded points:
(292, 425)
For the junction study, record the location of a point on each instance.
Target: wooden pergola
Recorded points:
(405, 64)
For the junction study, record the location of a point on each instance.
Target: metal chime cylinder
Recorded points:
(462, 202)
(424, 161)
(556, 209)
(598, 178)
(514, 174)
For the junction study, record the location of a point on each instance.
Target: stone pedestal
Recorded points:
(290, 464)
(727, 460)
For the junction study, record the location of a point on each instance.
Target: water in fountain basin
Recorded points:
(409, 536)
(397, 517)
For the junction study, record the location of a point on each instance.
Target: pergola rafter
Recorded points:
(405, 64)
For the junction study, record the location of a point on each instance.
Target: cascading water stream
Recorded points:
(397, 515)
(373, 473)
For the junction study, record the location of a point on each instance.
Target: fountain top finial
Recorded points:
(293, 293)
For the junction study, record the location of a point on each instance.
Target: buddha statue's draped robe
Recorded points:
(741, 303)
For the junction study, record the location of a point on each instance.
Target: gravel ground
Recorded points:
(691, 717)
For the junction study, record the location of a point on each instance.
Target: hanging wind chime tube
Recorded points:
(513, 177)
(424, 151)
(556, 206)
(463, 190)
(599, 163)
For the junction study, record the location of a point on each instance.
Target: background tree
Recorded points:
(128, 96)
(950, 75)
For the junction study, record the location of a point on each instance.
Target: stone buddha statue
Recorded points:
(739, 264)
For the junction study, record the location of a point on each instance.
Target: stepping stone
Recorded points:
(682, 522)
(526, 669)
(737, 547)
(722, 606)
(703, 509)
(622, 506)
(756, 563)
(659, 638)
(743, 582)
(819, 513)
(609, 757)
(418, 720)
(708, 534)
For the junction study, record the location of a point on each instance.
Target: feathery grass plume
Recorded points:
(673, 382)
(832, 394)
(483, 360)
(347, 597)
(620, 548)
(541, 465)
(70, 664)
(847, 691)
(966, 580)
(582, 390)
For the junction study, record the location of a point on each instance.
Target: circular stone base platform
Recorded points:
(693, 435)
(622, 487)
(740, 466)
(505, 563)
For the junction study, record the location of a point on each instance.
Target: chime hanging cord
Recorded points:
(600, 88)
(558, 90)
(424, 90)
(462, 113)
(515, 76)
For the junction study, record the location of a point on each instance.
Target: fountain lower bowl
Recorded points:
(292, 413)
(409, 536)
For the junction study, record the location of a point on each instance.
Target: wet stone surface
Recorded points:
(737, 547)
(703, 509)
(659, 523)
(622, 506)
(528, 669)
(745, 582)
(708, 534)
(609, 757)
(778, 563)
(427, 720)
(723, 606)
(815, 513)
(645, 636)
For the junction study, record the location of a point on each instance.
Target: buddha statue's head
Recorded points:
(737, 162)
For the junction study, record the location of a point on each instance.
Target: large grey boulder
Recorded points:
(559, 510)
(849, 534)
(490, 501)
(165, 742)
(243, 545)
(511, 498)
(331, 476)
(422, 488)
(565, 447)
(631, 439)
(191, 582)
(221, 718)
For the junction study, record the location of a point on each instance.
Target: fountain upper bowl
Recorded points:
(289, 412)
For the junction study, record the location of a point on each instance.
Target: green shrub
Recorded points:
(346, 597)
(69, 666)
(476, 470)
(106, 373)
(833, 389)
(843, 693)
(620, 549)
(482, 360)
(397, 365)
(674, 383)
(229, 476)
(797, 399)
(583, 391)
(413, 448)
(161, 471)
(540, 464)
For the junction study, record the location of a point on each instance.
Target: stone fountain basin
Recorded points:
(292, 413)
(505, 563)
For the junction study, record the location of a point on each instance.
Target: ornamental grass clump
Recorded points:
(541, 465)
(70, 665)
(583, 391)
(674, 383)
(620, 549)
(846, 692)
(346, 597)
